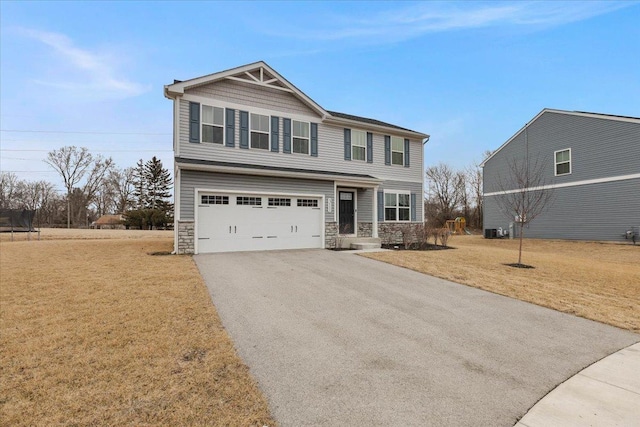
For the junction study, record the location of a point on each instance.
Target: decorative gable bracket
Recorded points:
(260, 77)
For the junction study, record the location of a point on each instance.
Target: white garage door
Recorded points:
(228, 223)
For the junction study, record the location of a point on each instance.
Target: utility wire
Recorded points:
(102, 151)
(82, 132)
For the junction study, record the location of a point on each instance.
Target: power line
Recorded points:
(82, 132)
(102, 151)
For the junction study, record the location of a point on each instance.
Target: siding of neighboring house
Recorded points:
(330, 152)
(601, 148)
(588, 212)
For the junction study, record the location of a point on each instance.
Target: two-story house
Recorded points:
(591, 166)
(259, 165)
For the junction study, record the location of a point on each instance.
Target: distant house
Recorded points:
(592, 163)
(109, 221)
(259, 165)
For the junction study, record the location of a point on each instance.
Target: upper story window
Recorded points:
(300, 137)
(358, 145)
(397, 151)
(397, 206)
(212, 124)
(259, 131)
(563, 162)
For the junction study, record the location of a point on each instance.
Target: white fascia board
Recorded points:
(364, 182)
(382, 129)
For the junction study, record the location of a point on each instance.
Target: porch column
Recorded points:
(374, 226)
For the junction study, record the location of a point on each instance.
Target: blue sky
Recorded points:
(470, 74)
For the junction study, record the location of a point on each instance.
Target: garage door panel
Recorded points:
(251, 222)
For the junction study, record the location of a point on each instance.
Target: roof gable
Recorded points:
(257, 73)
(565, 112)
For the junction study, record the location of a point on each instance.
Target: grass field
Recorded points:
(98, 332)
(598, 281)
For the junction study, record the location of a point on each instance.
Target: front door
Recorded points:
(346, 212)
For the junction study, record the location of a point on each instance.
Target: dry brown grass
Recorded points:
(98, 332)
(598, 281)
(83, 234)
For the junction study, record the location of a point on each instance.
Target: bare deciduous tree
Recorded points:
(443, 194)
(8, 188)
(123, 183)
(71, 163)
(523, 193)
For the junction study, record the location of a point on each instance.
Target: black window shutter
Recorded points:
(286, 136)
(387, 150)
(194, 122)
(406, 153)
(244, 129)
(347, 144)
(230, 137)
(314, 139)
(275, 134)
(380, 205)
(369, 147)
(413, 206)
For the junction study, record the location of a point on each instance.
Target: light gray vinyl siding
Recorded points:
(190, 180)
(601, 211)
(365, 205)
(599, 148)
(253, 95)
(412, 187)
(330, 153)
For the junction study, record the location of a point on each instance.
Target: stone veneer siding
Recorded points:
(365, 229)
(391, 232)
(185, 237)
(330, 234)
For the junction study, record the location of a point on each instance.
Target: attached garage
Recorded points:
(228, 222)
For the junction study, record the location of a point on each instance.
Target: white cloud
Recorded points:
(91, 73)
(431, 17)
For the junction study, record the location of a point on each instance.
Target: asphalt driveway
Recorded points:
(337, 339)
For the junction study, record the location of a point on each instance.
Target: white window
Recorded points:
(300, 137)
(259, 131)
(397, 206)
(358, 145)
(212, 124)
(397, 151)
(563, 162)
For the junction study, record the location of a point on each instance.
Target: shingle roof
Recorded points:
(185, 160)
(366, 120)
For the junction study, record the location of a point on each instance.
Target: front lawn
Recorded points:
(98, 332)
(598, 281)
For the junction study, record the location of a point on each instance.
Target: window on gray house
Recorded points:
(212, 124)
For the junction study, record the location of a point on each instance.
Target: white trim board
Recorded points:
(569, 184)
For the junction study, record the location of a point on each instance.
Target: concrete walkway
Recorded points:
(606, 393)
(334, 339)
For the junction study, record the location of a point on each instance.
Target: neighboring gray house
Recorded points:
(593, 166)
(259, 165)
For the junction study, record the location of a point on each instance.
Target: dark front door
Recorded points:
(346, 212)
